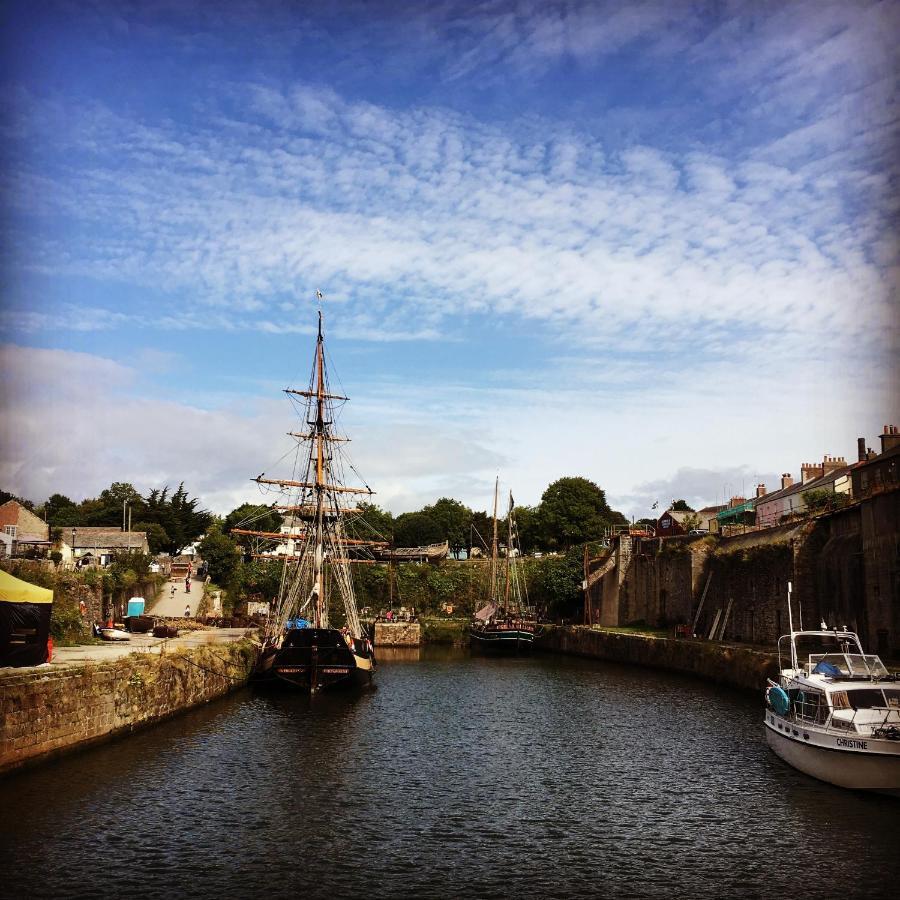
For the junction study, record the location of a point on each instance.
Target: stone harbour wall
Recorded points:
(398, 634)
(739, 667)
(46, 711)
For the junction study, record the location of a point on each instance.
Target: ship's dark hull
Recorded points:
(315, 659)
(508, 639)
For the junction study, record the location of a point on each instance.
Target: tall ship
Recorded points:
(506, 623)
(835, 715)
(313, 638)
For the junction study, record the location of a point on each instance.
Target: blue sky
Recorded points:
(653, 244)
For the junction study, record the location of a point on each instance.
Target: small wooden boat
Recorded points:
(114, 634)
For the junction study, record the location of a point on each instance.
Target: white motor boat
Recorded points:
(836, 715)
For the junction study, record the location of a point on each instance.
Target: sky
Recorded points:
(652, 244)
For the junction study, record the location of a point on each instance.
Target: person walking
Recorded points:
(187, 610)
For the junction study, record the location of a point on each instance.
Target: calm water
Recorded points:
(457, 777)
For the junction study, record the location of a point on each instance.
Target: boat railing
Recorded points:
(811, 709)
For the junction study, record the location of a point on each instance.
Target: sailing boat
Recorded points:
(309, 653)
(506, 623)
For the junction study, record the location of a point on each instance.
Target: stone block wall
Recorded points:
(739, 667)
(47, 710)
(398, 634)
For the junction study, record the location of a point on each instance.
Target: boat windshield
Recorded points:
(848, 665)
(866, 698)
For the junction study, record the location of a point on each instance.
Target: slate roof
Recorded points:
(105, 538)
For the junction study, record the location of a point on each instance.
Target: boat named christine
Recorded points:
(836, 714)
(309, 653)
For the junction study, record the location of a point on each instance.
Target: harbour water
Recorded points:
(456, 777)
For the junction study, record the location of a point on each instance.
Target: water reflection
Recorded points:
(458, 776)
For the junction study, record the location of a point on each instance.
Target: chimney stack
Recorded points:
(786, 480)
(890, 438)
(760, 491)
(833, 463)
(810, 472)
(861, 449)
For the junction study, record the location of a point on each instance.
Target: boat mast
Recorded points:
(494, 545)
(509, 543)
(319, 558)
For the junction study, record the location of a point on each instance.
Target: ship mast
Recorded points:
(494, 545)
(319, 557)
(509, 545)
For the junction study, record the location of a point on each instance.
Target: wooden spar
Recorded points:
(310, 510)
(320, 480)
(494, 545)
(313, 484)
(315, 394)
(509, 542)
(277, 535)
(332, 559)
(310, 435)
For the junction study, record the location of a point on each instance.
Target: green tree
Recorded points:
(223, 558)
(371, 523)
(261, 577)
(178, 516)
(58, 510)
(416, 529)
(254, 517)
(157, 538)
(681, 506)
(557, 584)
(453, 518)
(528, 522)
(574, 510)
(6, 496)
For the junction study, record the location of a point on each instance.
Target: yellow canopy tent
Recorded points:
(24, 621)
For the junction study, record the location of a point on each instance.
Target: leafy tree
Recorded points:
(178, 516)
(528, 522)
(252, 516)
(574, 510)
(156, 535)
(372, 523)
(261, 577)
(681, 506)
(453, 518)
(6, 496)
(416, 529)
(222, 557)
(691, 521)
(58, 509)
(557, 584)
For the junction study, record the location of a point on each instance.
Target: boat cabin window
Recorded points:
(892, 696)
(866, 698)
(809, 705)
(851, 664)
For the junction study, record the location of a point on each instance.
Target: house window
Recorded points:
(10, 530)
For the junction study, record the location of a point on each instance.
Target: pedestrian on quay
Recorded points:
(187, 610)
